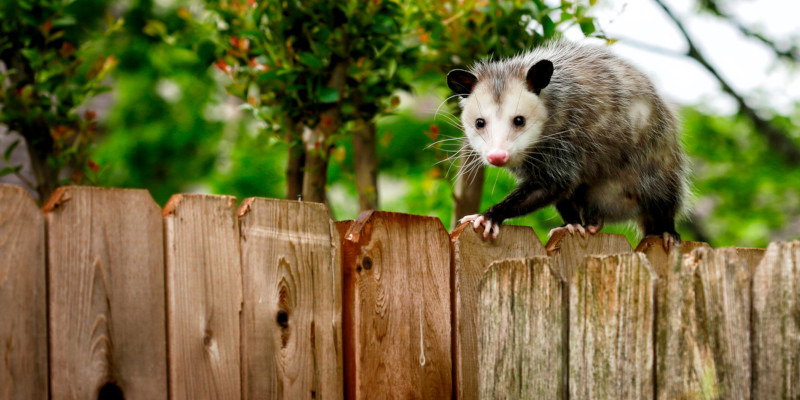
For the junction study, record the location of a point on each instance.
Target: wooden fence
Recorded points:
(104, 295)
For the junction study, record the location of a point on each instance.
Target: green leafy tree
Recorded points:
(49, 49)
(317, 71)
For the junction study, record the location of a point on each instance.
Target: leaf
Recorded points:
(328, 95)
(155, 28)
(548, 26)
(10, 149)
(64, 21)
(10, 170)
(587, 27)
(311, 60)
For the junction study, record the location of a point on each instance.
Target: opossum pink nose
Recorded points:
(498, 158)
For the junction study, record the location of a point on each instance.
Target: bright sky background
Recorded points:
(747, 64)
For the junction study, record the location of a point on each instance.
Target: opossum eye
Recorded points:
(519, 120)
(480, 123)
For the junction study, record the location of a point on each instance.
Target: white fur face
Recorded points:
(501, 130)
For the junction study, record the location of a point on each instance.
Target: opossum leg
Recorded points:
(524, 199)
(658, 219)
(568, 211)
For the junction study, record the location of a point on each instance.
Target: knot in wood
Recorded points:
(367, 263)
(283, 319)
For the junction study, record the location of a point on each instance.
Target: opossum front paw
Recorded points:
(669, 240)
(572, 229)
(480, 220)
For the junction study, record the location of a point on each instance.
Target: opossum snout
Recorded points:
(498, 158)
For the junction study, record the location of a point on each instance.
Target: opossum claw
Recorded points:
(572, 229)
(487, 229)
(670, 240)
(495, 230)
(468, 218)
(477, 222)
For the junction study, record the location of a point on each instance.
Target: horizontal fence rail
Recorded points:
(104, 295)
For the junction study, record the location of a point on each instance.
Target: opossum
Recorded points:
(579, 128)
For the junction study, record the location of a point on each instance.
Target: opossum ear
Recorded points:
(539, 76)
(460, 81)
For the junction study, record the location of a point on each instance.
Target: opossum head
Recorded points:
(502, 113)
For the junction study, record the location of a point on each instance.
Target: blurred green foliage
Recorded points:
(173, 125)
(163, 134)
(52, 66)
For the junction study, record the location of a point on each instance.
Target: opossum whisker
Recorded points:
(446, 140)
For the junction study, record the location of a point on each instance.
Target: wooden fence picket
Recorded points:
(106, 294)
(611, 315)
(653, 249)
(23, 297)
(471, 257)
(291, 317)
(521, 329)
(396, 311)
(703, 338)
(569, 250)
(776, 323)
(204, 296)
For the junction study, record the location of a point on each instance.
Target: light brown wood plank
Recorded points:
(568, 250)
(703, 339)
(471, 259)
(776, 323)
(611, 319)
(291, 317)
(106, 293)
(397, 308)
(23, 297)
(204, 296)
(521, 330)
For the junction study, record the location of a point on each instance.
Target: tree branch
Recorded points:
(777, 139)
(792, 54)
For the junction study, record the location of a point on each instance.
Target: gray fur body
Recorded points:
(607, 150)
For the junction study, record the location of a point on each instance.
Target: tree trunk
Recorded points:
(315, 171)
(315, 142)
(45, 175)
(294, 166)
(366, 166)
(36, 132)
(469, 189)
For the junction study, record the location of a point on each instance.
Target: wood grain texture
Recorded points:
(471, 258)
(751, 257)
(611, 319)
(23, 297)
(568, 250)
(703, 338)
(521, 331)
(106, 293)
(776, 323)
(396, 308)
(653, 248)
(291, 316)
(204, 296)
